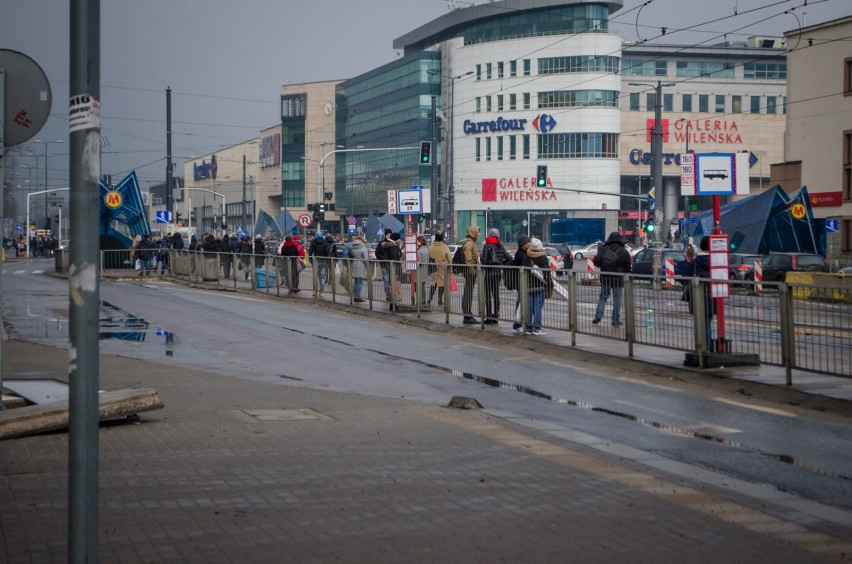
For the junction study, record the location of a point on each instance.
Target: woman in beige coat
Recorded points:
(440, 253)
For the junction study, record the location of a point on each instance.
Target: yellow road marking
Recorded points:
(757, 407)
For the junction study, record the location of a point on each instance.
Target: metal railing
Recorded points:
(806, 327)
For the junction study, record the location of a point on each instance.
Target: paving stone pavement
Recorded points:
(369, 480)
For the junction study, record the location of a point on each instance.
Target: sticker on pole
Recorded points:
(84, 113)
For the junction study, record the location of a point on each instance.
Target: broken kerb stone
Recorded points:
(461, 402)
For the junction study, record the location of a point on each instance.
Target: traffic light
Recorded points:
(425, 152)
(319, 212)
(541, 176)
(421, 218)
(649, 227)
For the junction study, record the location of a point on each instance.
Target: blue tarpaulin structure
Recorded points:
(126, 217)
(763, 223)
(277, 226)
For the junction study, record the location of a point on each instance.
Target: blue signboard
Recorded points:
(831, 226)
(163, 216)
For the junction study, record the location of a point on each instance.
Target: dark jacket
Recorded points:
(177, 242)
(623, 263)
(493, 254)
(290, 249)
(388, 250)
(319, 248)
(539, 259)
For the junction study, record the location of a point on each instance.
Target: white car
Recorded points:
(587, 251)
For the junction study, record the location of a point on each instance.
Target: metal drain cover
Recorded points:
(304, 414)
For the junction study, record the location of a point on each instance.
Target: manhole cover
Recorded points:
(304, 414)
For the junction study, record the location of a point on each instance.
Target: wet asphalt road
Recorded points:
(298, 343)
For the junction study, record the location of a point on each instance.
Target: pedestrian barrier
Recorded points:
(798, 326)
(670, 273)
(758, 276)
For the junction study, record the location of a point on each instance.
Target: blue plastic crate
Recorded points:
(260, 280)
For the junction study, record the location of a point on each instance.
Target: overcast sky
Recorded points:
(226, 60)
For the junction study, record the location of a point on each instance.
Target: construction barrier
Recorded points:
(758, 276)
(670, 272)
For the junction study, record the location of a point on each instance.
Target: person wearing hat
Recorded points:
(471, 259)
(518, 261)
(319, 251)
(539, 284)
(493, 258)
(612, 258)
(290, 249)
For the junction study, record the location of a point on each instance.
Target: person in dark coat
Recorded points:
(613, 282)
(290, 249)
(319, 252)
(259, 251)
(519, 261)
(539, 284)
(494, 257)
(700, 267)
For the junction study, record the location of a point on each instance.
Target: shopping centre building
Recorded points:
(518, 87)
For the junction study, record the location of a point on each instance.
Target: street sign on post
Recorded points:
(305, 220)
(163, 216)
(832, 226)
(392, 209)
(411, 201)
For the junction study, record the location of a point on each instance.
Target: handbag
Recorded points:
(138, 264)
(299, 266)
(453, 286)
(239, 265)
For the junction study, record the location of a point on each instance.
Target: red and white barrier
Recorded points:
(590, 268)
(670, 272)
(758, 276)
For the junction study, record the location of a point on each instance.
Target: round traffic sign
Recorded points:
(304, 220)
(27, 97)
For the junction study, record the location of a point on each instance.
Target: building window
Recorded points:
(526, 100)
(755, 104)
(500, 148)
(513, 68)
(487, 71)
(705, 68)
(634, 101)
(499, 102)
(578, 98)
(488, 148)
(578, 145)
(765, 70)
(488, 103)
(526, 143)
(478, 149)
(720, 103)
(513, 101)
(527, 67)
(736, 104)
(578, 63)
(846, 235)
(771, 102)
(500, 69)
(478, 104)
(668, 102)
(784, 104)
(643, 67)
(478, 72)
(513, 147)
(650, 101)
(687, 102)
(704, 103)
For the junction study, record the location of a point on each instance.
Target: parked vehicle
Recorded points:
(741, 265)
(567, 254)
(557, 263)
(589, 250)
(643, 262)
(777, 265)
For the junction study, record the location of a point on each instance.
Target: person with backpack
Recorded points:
(512, 283)
(225, 256)
(319, 251)
(471, 259)
(493, 256)
(613, 258)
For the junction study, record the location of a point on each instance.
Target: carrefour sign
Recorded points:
(543, 123)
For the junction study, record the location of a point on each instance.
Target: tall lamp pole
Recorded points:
(451, 150)
(46, 143)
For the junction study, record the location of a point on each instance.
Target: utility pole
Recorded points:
(169, 173)
(658, 161)
(434, 200)
(244, 192)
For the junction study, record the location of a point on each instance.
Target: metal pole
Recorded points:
(433, 192)
(83, 370)
(169, 172)
(244, 193)
(658, 160)
(2, 197)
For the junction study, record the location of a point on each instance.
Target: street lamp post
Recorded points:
(669, 204)
(209, 192)
(46, 143)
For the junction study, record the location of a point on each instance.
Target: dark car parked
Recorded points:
(643, 262)
(777, 265)
(741, 265)
(567, 255)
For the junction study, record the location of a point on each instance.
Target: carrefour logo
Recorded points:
(543, 123)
